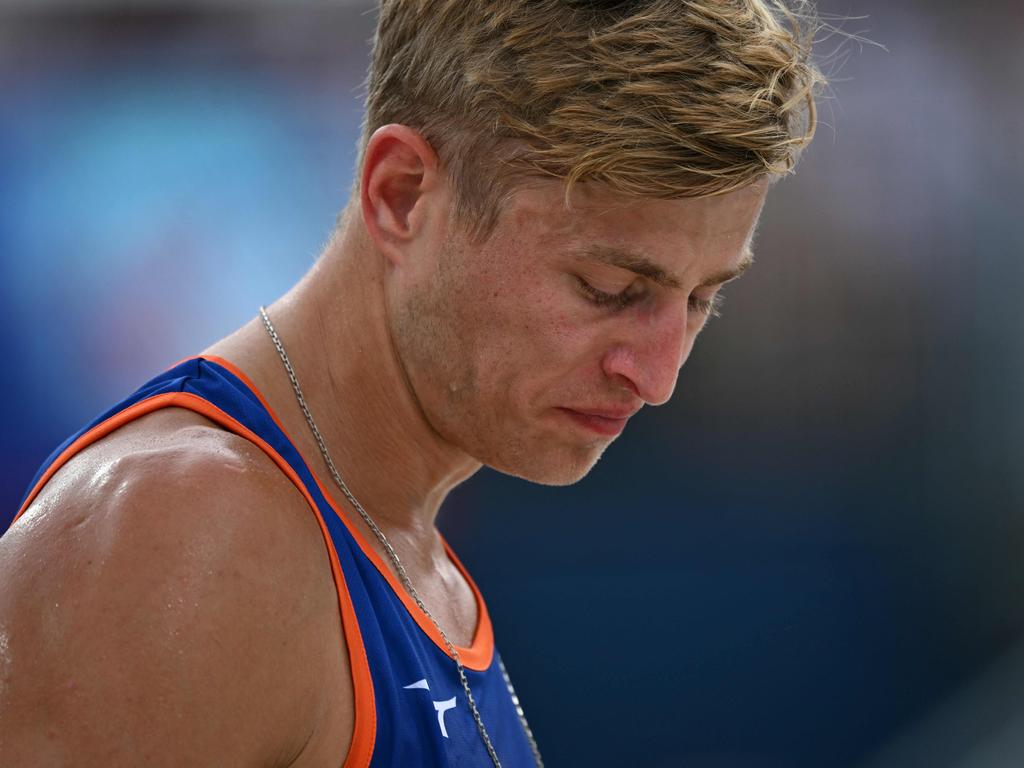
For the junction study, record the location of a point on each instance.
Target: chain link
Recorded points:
(400, 569)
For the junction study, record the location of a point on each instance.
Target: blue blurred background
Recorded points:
(810, 558)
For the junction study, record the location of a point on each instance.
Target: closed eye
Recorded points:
(710, 307)
(619, 300)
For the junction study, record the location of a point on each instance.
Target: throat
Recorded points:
(441, 586)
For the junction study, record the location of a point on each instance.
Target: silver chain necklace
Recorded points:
(400, 569)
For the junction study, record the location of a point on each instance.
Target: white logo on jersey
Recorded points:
(442, 707)
(439, 706)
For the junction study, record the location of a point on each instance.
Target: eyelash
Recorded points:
(710, 307)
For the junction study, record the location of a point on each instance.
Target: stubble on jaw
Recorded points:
(439, 371)
(445, 332)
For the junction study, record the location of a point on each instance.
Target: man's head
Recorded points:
(558, 189)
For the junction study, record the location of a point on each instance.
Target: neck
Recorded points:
(334, 327)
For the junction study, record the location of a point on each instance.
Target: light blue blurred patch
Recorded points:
(129, 189)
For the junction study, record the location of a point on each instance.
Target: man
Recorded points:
(238, 565)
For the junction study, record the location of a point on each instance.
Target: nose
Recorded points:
(648, 362)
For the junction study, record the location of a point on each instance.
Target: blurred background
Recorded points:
(811, 558)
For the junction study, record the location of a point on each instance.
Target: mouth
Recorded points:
(604, 423)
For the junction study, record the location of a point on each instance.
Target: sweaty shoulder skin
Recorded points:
(166, 600)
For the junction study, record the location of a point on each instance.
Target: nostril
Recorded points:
(628, 385)
(621, 366)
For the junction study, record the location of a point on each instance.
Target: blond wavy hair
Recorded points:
(655, 98)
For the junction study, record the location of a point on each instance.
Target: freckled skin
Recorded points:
(500, 335)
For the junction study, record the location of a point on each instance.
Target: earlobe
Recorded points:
(400, 170)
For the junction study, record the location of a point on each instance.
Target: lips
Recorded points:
(607, 422)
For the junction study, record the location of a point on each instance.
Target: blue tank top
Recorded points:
(410, 708)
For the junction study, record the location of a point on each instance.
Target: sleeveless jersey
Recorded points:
(410, 708)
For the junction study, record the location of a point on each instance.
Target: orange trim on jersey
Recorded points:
(365, 726)
(477, 656)
(223, 363)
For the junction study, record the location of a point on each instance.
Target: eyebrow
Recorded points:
(645, 267)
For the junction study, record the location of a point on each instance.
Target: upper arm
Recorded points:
(160, 608)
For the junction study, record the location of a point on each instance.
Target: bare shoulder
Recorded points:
(167, 600)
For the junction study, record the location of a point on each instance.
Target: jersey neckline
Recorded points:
(479, 654)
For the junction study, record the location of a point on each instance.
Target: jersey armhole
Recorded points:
(365, 714)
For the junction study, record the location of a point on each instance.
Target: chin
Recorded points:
(560, 467)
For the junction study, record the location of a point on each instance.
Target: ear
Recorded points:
(399, 177)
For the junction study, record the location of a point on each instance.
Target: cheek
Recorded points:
(523, 330)
(542, 350)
